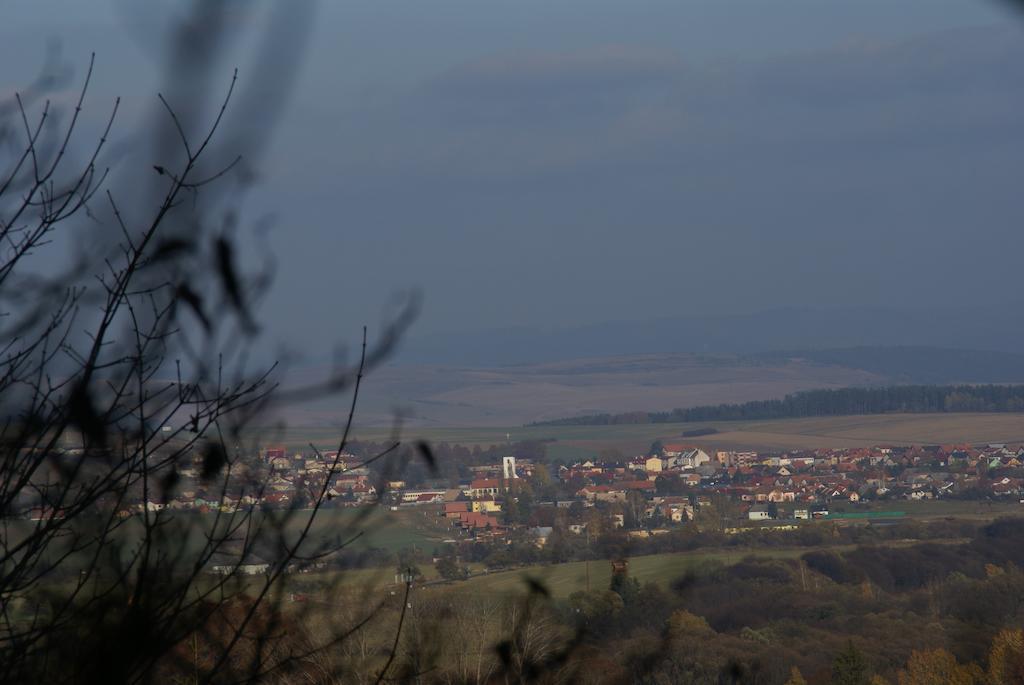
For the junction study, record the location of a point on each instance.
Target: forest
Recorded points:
(895, 399)
(931, 612)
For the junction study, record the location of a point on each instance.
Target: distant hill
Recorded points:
(470, 395)
(999, 329)
(918, 364)
(902, 399)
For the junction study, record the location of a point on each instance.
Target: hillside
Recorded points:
(573, 442)
(514, 395)
(889, 399)
(433, 395)
(755, 333)
(918, 364)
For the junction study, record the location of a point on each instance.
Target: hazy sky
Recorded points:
(543, 162)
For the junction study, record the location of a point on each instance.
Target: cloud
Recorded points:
(544, 74)
(540, 186)
(535, 113)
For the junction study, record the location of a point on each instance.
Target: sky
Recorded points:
(562, 163)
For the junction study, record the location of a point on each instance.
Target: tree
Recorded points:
(684, 625)
(596, 604)
(796, 677)
(625, 587)
(634, 507)
(408, 558)
(125, 371)
(1006, 659)
(448, 567)
(543, 484)
(849, 667)
(534, 647)
(938, 667)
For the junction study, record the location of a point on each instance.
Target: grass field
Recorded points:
(560, 579)
(570, 442)
(365, 528)
(386, 529)
(976, 510)
(563, 580)
(516, 394)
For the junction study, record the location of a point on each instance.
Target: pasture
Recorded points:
(561, 580)
(572, 442)
(564, 579)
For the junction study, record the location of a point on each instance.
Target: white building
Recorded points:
(758, 514)
(508, 468)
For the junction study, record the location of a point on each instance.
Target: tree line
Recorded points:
(878, 614)
(896, 399)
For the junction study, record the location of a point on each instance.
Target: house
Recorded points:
(236, 561)
(542, 534)
(483, 487)
(427, 498)
(758, 513)
(451, 510)
(1006, 486)
(602, 493)
(347, 482)
(273, 453)
(674, 449)
(694, 458)
(251, 569)
(778, 495)
(684, 457)
(364, 492)
(653, 464)
(638, 485)
(476, 521)
(422, 496)
(45, 513)
(677, 513)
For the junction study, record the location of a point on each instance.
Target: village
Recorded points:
(644, 494)
(670, 487)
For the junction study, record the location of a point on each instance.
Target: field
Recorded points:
(924, 510)
(364, 528)
(570, 442)
(517, 394)
(386, 529)
(561, 580)
(564, 579)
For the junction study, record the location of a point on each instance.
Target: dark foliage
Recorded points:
(901, 399)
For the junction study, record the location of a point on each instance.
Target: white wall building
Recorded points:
(508, 468)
